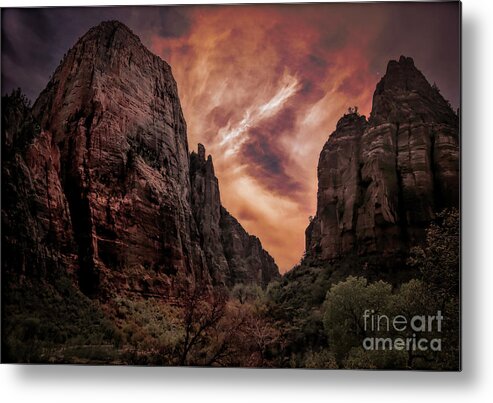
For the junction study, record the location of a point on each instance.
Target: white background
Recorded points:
(129, 384)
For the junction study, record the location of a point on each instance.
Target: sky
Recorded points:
(261, 86)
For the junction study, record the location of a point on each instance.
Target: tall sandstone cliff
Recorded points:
(103, 183)
(233, 254)
(382, 180)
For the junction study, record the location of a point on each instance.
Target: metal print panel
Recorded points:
(235, 185)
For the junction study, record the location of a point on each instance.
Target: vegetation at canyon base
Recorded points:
(319, 326)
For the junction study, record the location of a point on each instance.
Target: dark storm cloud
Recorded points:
(173, 22)
(262, 86)
(267, 161)
(427, 32)
(352, 86)
(34, 40)
(220, 116)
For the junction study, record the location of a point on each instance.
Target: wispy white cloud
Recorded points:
(235, 134)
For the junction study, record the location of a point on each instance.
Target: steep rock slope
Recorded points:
(36, 229)
(112, 111)
(108, 174)
(248, 262)
(382, 181)
(233, 255)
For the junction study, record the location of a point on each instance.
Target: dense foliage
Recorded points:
(311, 318)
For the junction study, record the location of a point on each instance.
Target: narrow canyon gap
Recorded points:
(261, 87)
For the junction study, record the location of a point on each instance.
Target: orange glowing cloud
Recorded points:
(262, 87)
(261, 93)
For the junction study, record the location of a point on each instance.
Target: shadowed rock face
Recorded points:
(109, 173)
(382, 181)
(231, 253)
(248, 262)
(36, 229)
(206, 205)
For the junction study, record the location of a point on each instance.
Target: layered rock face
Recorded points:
(248, 262)
(36, 228)
(382, 181)
(232, 254)
(110, 175)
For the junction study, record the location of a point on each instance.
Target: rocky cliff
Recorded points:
(233, 255)
(248, 262)
(106, 179)
(382, 180)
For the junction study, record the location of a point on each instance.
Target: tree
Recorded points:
(264, 336)
(201, 313)
(345, 306)
(438, 260)
(244, 292)
(352, 110)
(414, 299)
(439, 263)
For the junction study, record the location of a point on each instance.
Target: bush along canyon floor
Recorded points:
(116, 248)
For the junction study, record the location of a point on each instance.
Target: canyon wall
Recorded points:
(104, 185)
(381, 181)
